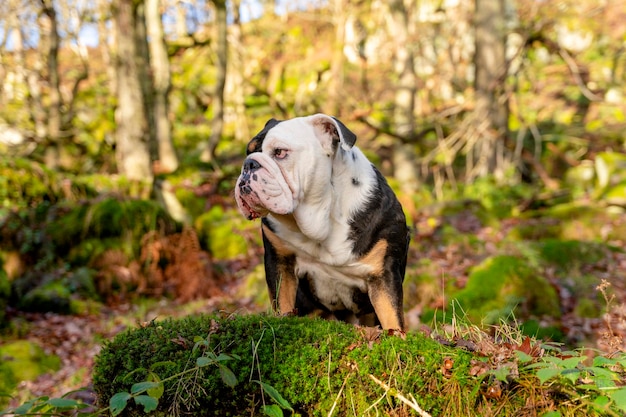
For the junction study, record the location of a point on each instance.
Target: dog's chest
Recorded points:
(332, 271)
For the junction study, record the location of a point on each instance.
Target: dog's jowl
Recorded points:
(334, 233)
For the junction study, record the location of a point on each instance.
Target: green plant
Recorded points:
(46, 406)
(600, 382)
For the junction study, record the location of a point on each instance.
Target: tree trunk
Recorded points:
(180, 24)
(404, 101)
(491, 102)
(133, 133)
(106, 42)
(337, 61)
(405, 170)
(54, 112)
(160, 64)
(217, 122)
(237, 74)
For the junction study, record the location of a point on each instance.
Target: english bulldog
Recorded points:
(334, 233)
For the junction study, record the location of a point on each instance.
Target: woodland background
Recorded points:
(123, 125)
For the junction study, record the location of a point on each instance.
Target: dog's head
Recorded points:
(289, 161)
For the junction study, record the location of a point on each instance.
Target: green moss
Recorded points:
(24, 182)
(223, 232)
(534, 328)
(84, 252)
(194, 205)
(572, 221)
(319, 366)
(52, 296)
(499, 200)
(570, 254)
(505, 285)
(255, 287)
(307, 360)
(22, 361)
(587, 308)
(129, 219)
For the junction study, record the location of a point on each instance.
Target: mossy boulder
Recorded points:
(571, 221)
(504, 285)
(52, 296)
(314, 364)
(22, 361)
(226, 233)
(23, 182)
(57, 291)
(569, 255)
(239, 365)
(572, 262)
(126, 219)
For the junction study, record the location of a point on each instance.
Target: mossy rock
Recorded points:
(108, 218)
(569, 255)
(572, 221)
(22, 361)
(504, 285)
(570, 259)
(63, 292)
(214, 366)
(499, 200)
(52, 296)
(307, 361)
(24, 182)
(222, 232)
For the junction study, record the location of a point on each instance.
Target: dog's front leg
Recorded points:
(387, 302)
(287, 287)
(282, 282)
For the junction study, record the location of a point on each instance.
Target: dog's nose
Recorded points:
(250, 165)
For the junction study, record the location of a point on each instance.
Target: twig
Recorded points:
(410, 402)
(332, 409)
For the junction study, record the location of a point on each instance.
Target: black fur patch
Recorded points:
(256, 142)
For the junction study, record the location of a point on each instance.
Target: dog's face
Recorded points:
(287, 161)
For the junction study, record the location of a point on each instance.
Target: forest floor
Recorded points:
(77, 340)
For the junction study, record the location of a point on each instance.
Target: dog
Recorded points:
(334, 233)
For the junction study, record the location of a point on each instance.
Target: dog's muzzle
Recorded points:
(247, 197)
(262, 188)
(250, 166)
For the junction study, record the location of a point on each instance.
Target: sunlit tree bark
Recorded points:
(491, 102)
(221, 55)
(50, 42)
(337, 62)
(133, 131)
(237, 77)
(159, 62)
(404, 99)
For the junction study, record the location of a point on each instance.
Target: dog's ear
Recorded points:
(332, 132)
(256, 142)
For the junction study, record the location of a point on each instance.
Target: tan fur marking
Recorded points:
(375, 258)
(251, 146)
(286, 291)
(385, 310)
(277, 242)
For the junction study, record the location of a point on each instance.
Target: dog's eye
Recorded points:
(280, 153)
